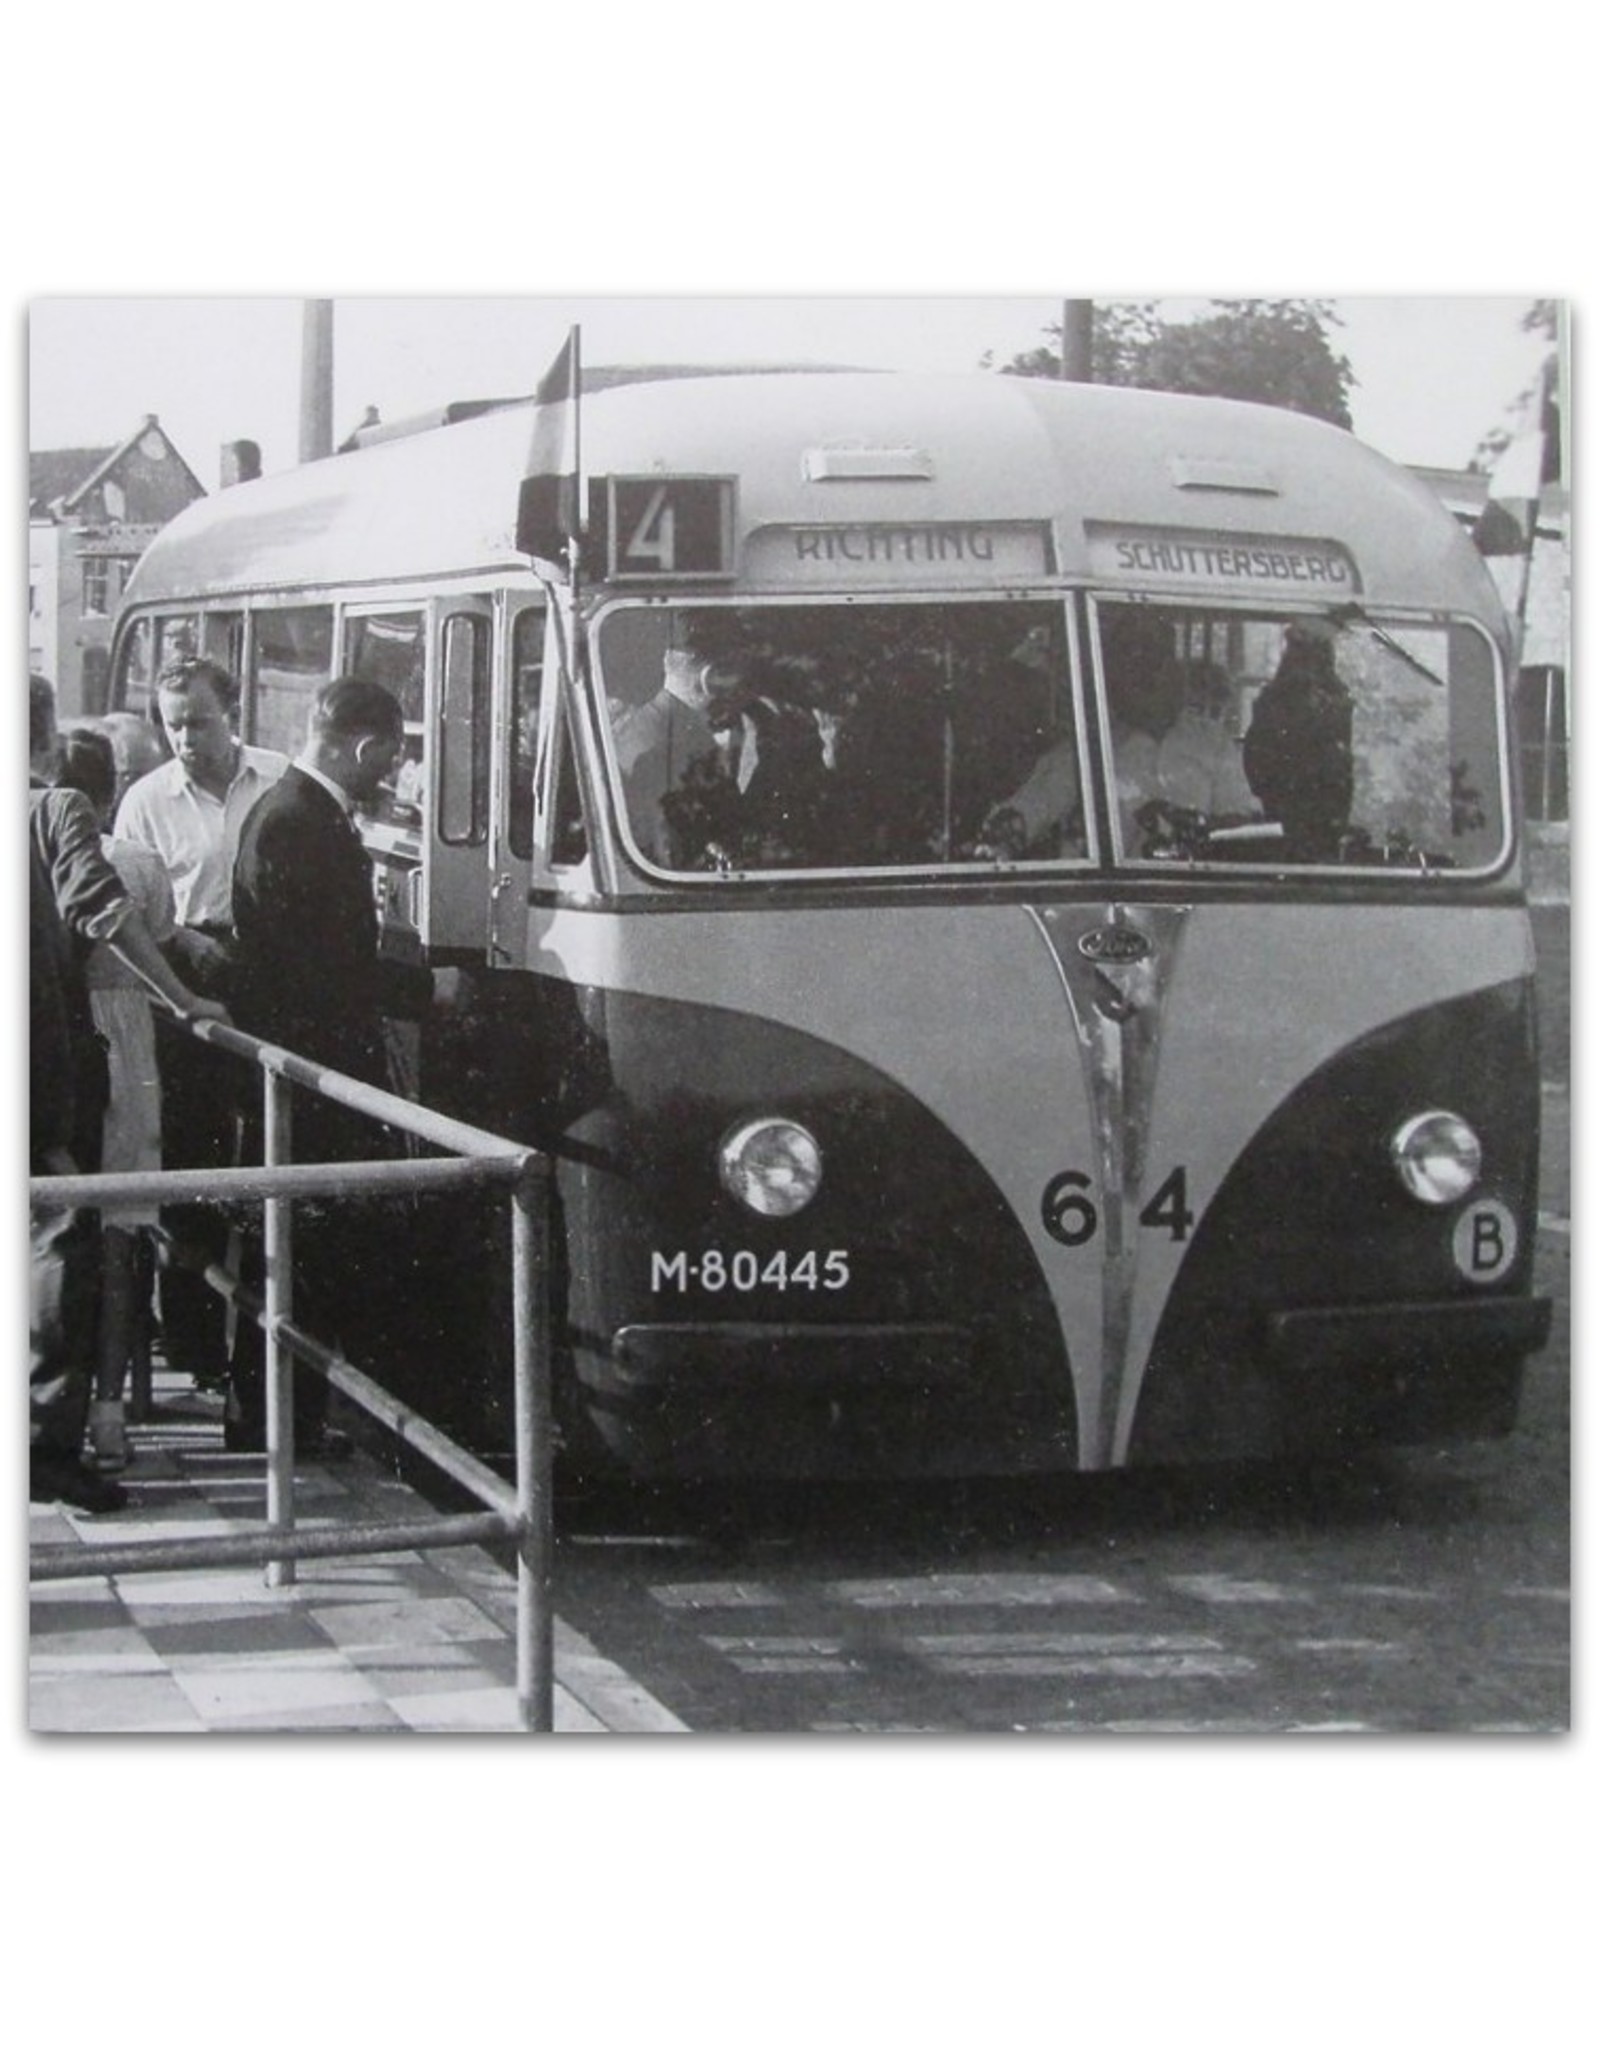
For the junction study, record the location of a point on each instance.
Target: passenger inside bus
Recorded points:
(658, 743)
(1298, 753)
(754, 797)
(872, 736)
(1172, 751)
(829, 737)
(1175, 753)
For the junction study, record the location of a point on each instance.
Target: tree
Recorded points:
(1538, 401)
(1271, 351)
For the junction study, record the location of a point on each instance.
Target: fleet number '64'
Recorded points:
(1069, 1213)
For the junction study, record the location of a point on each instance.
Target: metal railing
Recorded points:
(521, 1512)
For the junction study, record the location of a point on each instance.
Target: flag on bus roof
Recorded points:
(548, 504)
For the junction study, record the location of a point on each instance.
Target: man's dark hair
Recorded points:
(41, 713)
(88, 763)
(350, 707)
(184, 670)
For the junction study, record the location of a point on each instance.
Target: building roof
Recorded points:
(55, 474)
(59, 479)
(146, 425)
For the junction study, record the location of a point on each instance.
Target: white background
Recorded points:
(1297, 1891)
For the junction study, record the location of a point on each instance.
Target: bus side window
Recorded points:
(222, 639)
(464, 731)
(293, 659)
(390, 648)
(134, 686)
(175, 637)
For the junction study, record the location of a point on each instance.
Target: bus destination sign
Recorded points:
(1221, 561)
(941, 551)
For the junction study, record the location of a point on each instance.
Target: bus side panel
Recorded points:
(1320, 1306)
(898, 1324)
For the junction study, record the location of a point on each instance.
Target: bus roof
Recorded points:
(1079, 458)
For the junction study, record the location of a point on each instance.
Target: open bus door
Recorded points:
(428, 841)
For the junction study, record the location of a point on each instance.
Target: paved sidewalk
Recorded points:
(405, 1641)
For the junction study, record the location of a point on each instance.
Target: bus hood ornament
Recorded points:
(1114, 945)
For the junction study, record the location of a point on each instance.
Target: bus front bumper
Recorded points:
(1414, 1372)
(728, 1356)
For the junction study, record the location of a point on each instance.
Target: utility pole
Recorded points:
(1077, 341)
(316, 380)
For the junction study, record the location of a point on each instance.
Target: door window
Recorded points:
(464, 731)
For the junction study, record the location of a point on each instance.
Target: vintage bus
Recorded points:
(1004, 898)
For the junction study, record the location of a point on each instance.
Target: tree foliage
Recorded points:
(1538, 400)
(1269, 351)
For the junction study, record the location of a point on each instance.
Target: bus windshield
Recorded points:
(842, 736)
(874, 735)
(1331, 740)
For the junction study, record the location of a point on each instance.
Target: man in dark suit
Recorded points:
(310, 977)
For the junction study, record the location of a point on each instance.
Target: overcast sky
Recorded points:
(1433, 373)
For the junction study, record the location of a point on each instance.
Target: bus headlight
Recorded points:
(771, 1165)
(1437, 1156)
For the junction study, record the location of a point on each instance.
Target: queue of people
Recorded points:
(233, 885)
(189, 811)
(131, 1130)
(77, 901)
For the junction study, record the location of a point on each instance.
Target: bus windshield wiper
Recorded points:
(1352, 614)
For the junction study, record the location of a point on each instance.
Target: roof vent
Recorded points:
(1213, 473)
(856, 465)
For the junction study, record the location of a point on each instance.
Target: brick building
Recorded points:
(91, 514)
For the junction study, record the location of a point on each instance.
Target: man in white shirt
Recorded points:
(190, 812)
(192, 808)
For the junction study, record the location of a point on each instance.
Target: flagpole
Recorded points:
(549, 516)
(573, 552)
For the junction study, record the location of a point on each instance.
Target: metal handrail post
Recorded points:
(278, 1305)
(525, 1513)
(532, 1417)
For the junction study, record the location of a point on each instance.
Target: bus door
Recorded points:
(428, 835)
(389, 645)
(514, 730)
(457, 776)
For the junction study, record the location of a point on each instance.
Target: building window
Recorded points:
(105, 578)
